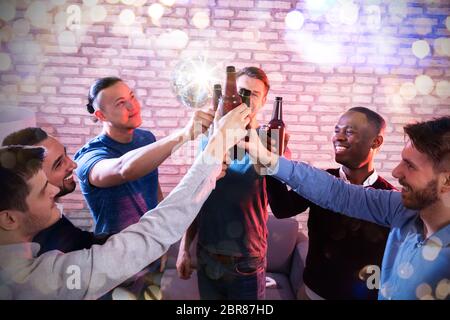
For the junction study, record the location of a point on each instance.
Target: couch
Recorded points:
(286, 254)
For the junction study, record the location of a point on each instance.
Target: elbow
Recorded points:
(126, 173)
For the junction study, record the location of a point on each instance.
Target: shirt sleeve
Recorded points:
(102, 267)
(383, 207)
(87, 161)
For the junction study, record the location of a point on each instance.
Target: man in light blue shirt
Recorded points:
(416, 262)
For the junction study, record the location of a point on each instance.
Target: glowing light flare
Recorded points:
(5, 61)
(420, 49)
(424, 84)
(97, 14)
(7, 10)
(294, 20)
(193, 81)
(442, 46)
(349, 13)
(443, 89)
(200, 20)
(127, 17)
(408, 90)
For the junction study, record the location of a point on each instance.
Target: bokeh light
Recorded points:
(97, 13)
(123, 294)
(152, 293)
(200, 20)
(127, 17)
(90, 3)
(139, 3)
(7, 10)
(443, 289)
(168, 3)
(420, 49)
(405, 270)
(38, 15)
(58, 2)
(424, 292)
(408, 90)
(424, 84)
(112, 1)
(294, 20)
(432, 248)
(127, 2)
(398, 10)
(5, 61)
(442, 46)
(21, 27)
(67, 42)
(373, 13)
(349, 13)
(156, 11)
(317, 8)
(176, 39)
(443, 89)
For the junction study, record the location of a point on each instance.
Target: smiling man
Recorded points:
(341, 247)
(60, 234)
(417, 255)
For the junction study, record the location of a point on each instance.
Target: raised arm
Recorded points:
(139, 162)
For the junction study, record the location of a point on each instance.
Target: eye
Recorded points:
(349, 132)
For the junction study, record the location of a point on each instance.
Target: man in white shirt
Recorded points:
(28, 206)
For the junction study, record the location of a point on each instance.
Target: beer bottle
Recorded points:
(276, 126)
(231, 98)
(245, 96)
(217, 94)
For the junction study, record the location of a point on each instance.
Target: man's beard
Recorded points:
(420, 199)
(66, 190)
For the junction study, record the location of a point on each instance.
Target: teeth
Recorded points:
(340, 149)
(69, 177)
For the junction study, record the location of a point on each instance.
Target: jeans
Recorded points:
(233, 278)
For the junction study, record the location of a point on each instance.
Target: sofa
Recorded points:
(286, 254)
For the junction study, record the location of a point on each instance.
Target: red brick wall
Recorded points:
(368, 69)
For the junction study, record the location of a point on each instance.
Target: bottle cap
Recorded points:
(231, 69)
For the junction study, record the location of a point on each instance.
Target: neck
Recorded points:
(13, 237)
(119, 135)
(359, 175)
(435, 217)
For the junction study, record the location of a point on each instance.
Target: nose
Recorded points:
(396, 172)
(339, 136)
(73, 164)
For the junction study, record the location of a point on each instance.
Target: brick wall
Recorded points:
(349, 55)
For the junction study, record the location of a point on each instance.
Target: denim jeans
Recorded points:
(233, 278)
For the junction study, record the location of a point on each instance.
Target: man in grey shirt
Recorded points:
(28, 204)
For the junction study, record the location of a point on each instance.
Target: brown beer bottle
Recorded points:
(231, 98)
(217, 94)
(245, 96)
(276, 126)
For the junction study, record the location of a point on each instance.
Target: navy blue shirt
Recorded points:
(115, 208)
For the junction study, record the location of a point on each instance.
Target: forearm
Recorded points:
(321, 188)
(137, 163)
(188, 237)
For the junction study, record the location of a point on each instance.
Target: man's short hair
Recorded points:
(433, 139)
(256, 73)
(18, 164)
(374, 118)
(25, 137)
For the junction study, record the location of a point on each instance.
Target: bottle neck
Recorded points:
(231, 88)
(277, 111)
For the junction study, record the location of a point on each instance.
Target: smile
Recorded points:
(69, 177)
(340, 149)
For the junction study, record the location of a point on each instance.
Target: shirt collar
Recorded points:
(367, 183)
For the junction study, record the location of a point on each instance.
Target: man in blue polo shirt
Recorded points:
(416, 262)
